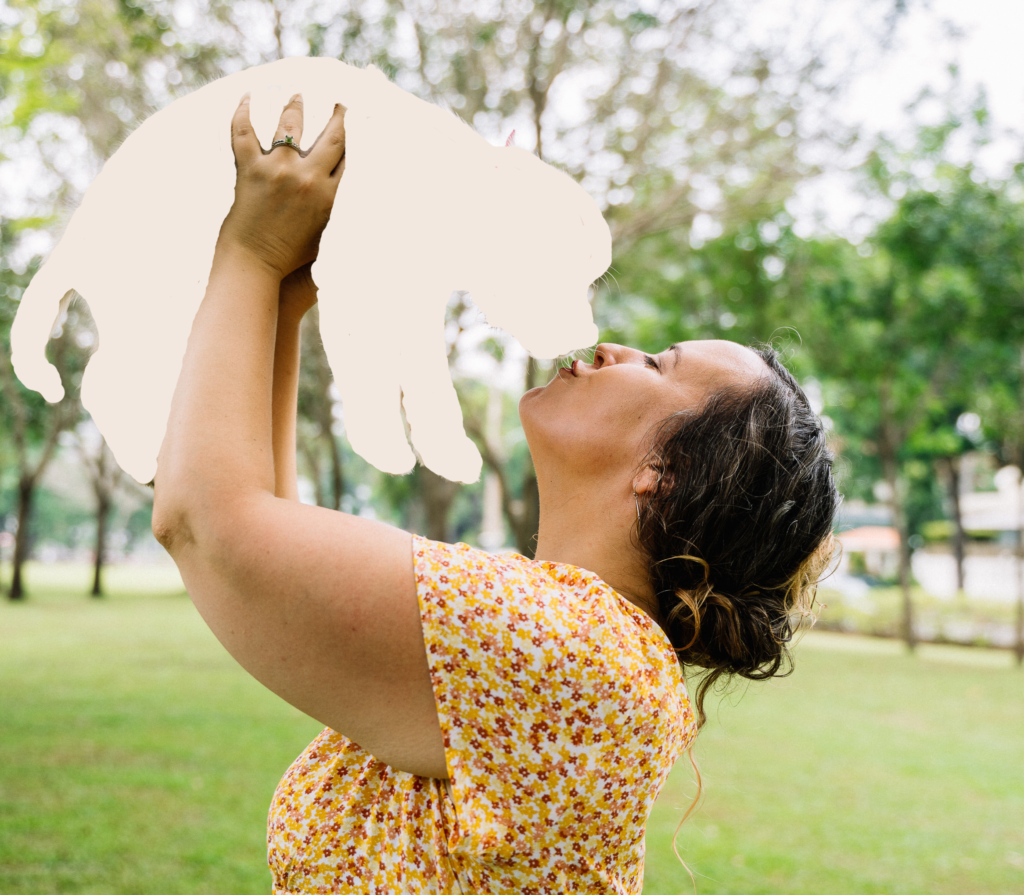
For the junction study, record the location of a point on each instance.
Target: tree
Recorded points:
(899, 329)
(737, 157)
(33, 425)
(942, 441)
(517, 479)
(87, 64)
(83, 66)
(1002, 412)
(104, 476)
(744, 119)
(316, 408)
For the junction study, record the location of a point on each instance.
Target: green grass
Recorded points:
(867, 771)
(137, 757)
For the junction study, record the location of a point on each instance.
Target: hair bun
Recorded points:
(723, 632)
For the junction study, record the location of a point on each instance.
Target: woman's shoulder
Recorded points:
(556, 602)
(475, 574)
(444, 554)
(533, 661)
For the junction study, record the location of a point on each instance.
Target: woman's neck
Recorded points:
(589, 526)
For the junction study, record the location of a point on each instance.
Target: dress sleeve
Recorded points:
(553, 736)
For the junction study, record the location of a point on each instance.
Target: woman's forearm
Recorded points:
(217, 451)
(286, 392)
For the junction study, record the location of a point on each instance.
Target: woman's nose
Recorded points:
(609, 353)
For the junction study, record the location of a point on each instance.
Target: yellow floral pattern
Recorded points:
(563, 709)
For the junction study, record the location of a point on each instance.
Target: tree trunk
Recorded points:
(952, 468)
(528, 521)
(1020, 522)
(324, 410)
(312, 456)
(492, 525)
(102, 512)
(22, 545)
(105, 475)
(909, 634)
(337, 472)
(890, 468)
(437, 494)
(1020, 569)
(525, 520)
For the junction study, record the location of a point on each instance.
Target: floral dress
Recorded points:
(563, 709)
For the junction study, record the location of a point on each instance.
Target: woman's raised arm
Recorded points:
(319, 606)
(298, 295)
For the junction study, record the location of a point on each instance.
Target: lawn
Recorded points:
(137, 757)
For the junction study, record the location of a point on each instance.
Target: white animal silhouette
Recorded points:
(426, 207)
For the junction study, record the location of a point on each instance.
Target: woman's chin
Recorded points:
(528, 396)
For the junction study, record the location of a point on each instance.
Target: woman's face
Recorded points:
(596, 420)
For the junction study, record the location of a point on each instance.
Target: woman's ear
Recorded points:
(646, 480)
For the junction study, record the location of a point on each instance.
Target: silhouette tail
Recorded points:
(33, 326)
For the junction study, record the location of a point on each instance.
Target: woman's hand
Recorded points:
(283, 198)
(298, 293)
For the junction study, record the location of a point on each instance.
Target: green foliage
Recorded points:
(398, 496)
(139, 526)
(18, 404)
(733, 287)
(56, 521)
(144, 26)
(904, 334)
(937, 531)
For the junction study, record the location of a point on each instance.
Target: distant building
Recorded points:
(999, 511)
(871, 550)
(858, 513)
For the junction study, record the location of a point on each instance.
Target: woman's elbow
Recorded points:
(214, 522)
(170, 522)
(167, 528)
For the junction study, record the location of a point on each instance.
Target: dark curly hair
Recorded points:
(738, 528)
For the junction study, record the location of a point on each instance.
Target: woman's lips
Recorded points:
(570, 370)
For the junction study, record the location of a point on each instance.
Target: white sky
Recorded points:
(989, 52)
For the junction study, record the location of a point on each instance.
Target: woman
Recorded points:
(494, 724)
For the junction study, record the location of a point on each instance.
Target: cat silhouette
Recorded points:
(426, 207)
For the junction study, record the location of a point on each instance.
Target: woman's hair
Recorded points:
(738, 528)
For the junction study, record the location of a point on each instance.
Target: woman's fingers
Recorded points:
(328, 152)
(244, 142)
(299, 187)
(291, 121)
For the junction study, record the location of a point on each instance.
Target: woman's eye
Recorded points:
(652, 362)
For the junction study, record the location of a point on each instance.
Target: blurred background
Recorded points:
(842, 179)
